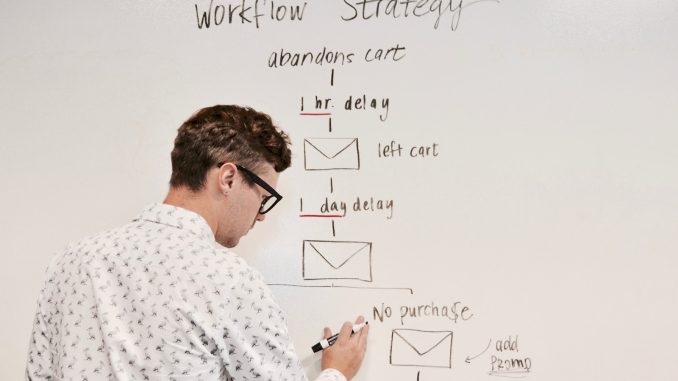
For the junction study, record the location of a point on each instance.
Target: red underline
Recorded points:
(322, 215)
(315, 113)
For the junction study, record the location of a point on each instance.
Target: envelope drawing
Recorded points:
(412, 347)
(337, 260)
(331, 153)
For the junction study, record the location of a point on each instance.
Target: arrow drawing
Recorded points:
(468, 359)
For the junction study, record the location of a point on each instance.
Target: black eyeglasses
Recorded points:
(269, 201)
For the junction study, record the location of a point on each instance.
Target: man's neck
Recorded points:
(197, 202)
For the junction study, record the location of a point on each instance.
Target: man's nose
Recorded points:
(261, 217)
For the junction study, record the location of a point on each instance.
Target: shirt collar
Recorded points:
(181, 218)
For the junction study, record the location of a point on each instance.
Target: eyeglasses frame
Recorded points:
(259, 181)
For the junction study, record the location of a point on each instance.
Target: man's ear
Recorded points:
(226, 177)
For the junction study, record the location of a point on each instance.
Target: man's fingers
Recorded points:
(359, 320)
(345, 333)
(362, 339)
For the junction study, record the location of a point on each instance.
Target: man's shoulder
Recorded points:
(237, 265)
(109, 236)
(91, 244)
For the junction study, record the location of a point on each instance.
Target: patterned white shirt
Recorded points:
(159, 299)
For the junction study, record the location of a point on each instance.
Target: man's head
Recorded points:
(223, 158)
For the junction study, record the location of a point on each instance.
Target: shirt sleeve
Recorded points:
(252, 337)
(330, 374)
(39, 366)
(254, 342)
(41, 351)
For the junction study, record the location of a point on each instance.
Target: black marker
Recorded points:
(326, 343)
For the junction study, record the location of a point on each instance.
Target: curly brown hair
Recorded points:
(226, 133)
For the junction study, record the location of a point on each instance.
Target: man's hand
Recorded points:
(348, 351)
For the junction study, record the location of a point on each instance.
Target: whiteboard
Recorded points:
(492, 184)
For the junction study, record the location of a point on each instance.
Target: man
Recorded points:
(159, 299)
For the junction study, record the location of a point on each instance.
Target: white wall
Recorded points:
(549, 212)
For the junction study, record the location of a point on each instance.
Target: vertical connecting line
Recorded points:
(332, 78)
(334, 231)
(331, 186)
(301, 205)
(330, 124)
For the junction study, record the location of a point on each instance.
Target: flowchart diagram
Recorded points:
(349, 263)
